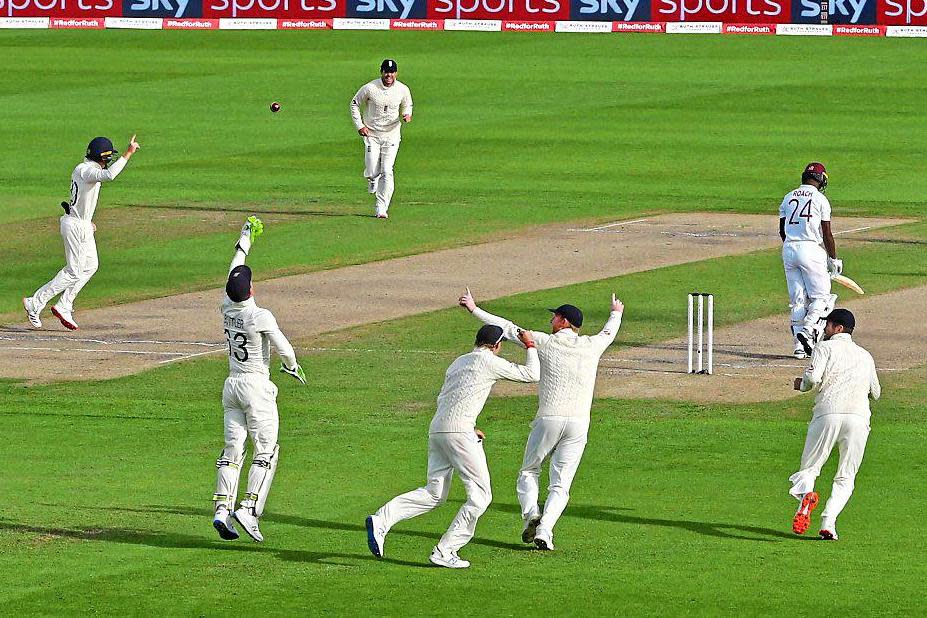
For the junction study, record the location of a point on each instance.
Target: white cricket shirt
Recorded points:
(846, 375)
(249, 332)
(467, 383)
(85, 185)
(803, 210)
(569, 363)
(381, 109)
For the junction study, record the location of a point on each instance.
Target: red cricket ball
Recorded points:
(275, 107)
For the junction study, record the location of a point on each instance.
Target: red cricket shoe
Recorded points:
(802, 520)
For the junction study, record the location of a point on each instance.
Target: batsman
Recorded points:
(249, 397)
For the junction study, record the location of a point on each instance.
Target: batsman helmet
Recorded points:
(815, 171)
(101, 150)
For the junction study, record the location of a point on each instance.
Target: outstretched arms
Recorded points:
(610, 330)
(509, 329)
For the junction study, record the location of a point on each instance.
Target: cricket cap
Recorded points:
(842, 317)
(489, 335)
(238, 287)
(389, 66)
(572, 314)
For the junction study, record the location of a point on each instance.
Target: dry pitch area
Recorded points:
(129, 338)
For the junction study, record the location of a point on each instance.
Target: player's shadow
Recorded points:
(715, 529)
(176, 540)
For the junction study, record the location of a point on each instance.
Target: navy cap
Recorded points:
(388, 66)
(842, 317)
(238, 287)
(489, 335)
(573, 315)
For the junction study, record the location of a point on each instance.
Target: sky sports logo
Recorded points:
(162, 8)
(610, 10)
(840, 11)
(389, 9)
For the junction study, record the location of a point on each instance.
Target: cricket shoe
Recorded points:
(249, 523)
(376, 535)
(222, 522)
(799, 352)
(31, 313)
(382, 216)
(829, 535)
(544, 540)
(531, 529)
(806, 340)
(450, 560)
(802, 519)
(65, 317)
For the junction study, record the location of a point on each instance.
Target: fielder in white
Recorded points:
(846, 378)
(77, 230)
(455, 444)
(804, 226)
(248, 397)
(569, 362)
(377, 109)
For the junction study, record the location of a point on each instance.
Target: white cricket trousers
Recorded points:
(849, 432)
(447, 453)
(808, 282)
(379, 158)
(80, 256)
(563, 439)
(250, 403)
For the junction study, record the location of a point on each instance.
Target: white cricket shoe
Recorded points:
(222, 522)
(382, 216)
(249, 523)
(371, 185)
(376, 535)
(544, 540)
(450, 560)
(65, 317)
(31, 313)
(799, 352)
(531, 528)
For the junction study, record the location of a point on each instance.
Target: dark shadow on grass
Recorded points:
(721, 530)
(257, 211)
(173, 540)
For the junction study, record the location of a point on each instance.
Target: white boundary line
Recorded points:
(608, 225)
(172, 360)
(857, 229)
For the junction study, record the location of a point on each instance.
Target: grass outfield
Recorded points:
(535, 129)
(677, 508)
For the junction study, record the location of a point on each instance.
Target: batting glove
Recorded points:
(835, 265)
(297, 372)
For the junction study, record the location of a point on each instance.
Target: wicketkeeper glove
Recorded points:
(835, 266)
(252, 228)
(297, 372)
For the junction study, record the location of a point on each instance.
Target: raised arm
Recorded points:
(529, 372)
(95, 174)
(605, 336)
(510, 330)
(252, 228)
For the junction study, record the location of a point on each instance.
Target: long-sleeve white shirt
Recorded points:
(467, 384)
(251, 330)
(381, 108)
(569, 363)
(846, 375)
(85, 185)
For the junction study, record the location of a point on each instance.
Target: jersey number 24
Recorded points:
(804, 214)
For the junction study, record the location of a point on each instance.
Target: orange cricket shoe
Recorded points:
(802, 519)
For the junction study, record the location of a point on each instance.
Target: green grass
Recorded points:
(538, 129)
(678, 507)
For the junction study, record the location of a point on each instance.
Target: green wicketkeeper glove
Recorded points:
(297, 372)
(252, 228)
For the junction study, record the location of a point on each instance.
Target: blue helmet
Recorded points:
(101, 150)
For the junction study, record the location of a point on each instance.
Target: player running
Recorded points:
(804, 224)
(77, 230)
(455, 444)
(569, 362)
(377, 109)
(846, 377)
(249, 397)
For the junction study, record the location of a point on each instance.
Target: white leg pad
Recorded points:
(260, 478)
(229, 470)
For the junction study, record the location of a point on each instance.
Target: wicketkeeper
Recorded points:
(249, 397)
